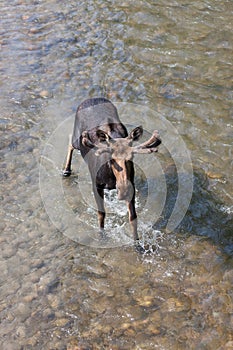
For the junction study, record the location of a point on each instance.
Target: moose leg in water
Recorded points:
(67, 168)
(99, 198)
(133, 223)
(133, 218)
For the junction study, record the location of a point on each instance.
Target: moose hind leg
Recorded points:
(67, 168)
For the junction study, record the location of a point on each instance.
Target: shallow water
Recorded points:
(173, 62)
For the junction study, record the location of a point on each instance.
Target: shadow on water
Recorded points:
(206, 216)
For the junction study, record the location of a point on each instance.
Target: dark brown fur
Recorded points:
(107, 148)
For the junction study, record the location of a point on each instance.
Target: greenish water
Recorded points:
(175, 59)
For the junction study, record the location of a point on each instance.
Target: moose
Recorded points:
(107, 147)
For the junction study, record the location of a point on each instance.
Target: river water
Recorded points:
(170, 65)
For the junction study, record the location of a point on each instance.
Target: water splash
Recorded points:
(151, 239)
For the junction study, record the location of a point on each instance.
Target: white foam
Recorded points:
(226, 210)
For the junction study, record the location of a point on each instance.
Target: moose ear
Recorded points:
(136, 133)
(102, 135)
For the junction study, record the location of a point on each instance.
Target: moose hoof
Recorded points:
(139, 248)
(66, 173)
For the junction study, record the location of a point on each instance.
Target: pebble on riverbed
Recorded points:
(44, 94)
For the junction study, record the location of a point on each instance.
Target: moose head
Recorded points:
(120, 153)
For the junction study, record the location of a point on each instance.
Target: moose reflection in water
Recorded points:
(108, 149)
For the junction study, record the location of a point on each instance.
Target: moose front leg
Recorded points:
(99, 198)
(133, 224)
(133, 218)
